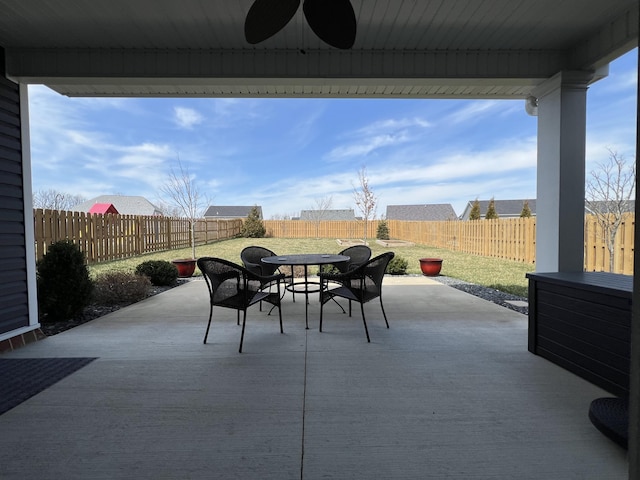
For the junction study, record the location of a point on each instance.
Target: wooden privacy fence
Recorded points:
(324, 229)
(509, 238)
(596, 253)
(109, 237)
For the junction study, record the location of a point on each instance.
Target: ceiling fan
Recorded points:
(333, 21)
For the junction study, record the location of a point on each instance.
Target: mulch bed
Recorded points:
(93, 311)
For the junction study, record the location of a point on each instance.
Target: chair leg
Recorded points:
(280, 295)
(321, 309)
(279, 307)
(336, 302)
(366, 330)
(383, 314)
(238, 319)
(244, 321)
(208, 324)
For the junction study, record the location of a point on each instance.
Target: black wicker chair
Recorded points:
(362, 284)
(233, 286)
(358, 255)
(251, 259)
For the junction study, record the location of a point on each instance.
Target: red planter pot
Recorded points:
(186, 266)
(431, 266)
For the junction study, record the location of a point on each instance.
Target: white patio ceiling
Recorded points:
(403, 48)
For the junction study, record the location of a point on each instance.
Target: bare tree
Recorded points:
(169, 210)
(283, 216)
(55, 200)
(608, 193)
(365, 199)
(181, 192)
(319, 213)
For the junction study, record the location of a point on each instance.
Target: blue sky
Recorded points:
(286, 154)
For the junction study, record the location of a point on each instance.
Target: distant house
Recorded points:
(124, 204)
(313, 215)
(628, 206)
(227, 212)
(426, 212)
(103, 208)
(504, 208)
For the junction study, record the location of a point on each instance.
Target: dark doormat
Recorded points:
(22, 378)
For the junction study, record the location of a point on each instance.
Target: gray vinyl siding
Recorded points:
(14, 311)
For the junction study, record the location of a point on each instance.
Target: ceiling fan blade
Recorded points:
(267, 17)
(334, 21)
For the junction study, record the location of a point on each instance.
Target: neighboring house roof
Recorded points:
(125, 204)
(230, 211)
(504, 208)
(103, 208)
(427, 212)
(604, 206)
(311, 215)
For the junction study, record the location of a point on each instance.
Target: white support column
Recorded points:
(634, 394)
(561, 172)
(28, 207)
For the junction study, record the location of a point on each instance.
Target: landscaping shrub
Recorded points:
(120, 288)
(397, 266)
(253, 226)
(64, 285)
(329, 269)
(383, 230)
(159, 272)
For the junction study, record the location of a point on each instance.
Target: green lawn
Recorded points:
(504, 275)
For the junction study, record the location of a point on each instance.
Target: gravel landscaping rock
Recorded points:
(489, 294)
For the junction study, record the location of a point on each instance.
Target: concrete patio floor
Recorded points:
(449, 391)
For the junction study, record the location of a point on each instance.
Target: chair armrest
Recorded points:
(264, 279)
(334, 276)
(273, 278)
(356, 272)
(254, 268)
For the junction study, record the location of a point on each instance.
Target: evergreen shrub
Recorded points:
(397, 266)
(64, 285)
(159, 272)
(253, 226)
(383, 230)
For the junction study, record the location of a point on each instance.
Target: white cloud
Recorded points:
(368, 145)
(473, 111)
(506, 171)
(375, 136)
(393, 124)
(187, 117)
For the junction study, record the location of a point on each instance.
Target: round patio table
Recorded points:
(305, 259)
